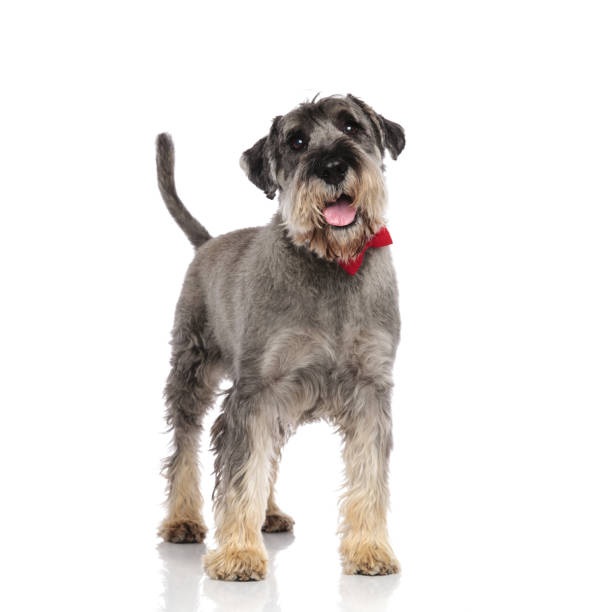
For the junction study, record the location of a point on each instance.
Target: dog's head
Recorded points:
(325, 158)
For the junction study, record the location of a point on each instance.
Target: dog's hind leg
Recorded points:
(276, 519)
(190, 390)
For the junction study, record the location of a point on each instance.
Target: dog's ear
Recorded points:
(258, 163)
(395, 140)
(389, 135)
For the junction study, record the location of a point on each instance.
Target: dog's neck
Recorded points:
(380, 239)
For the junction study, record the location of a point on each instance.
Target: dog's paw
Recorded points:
(236, 564)
(277, 522)
(370, 560)
(183, 531)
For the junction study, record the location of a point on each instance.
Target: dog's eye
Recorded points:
(351, 128)
(297, 142)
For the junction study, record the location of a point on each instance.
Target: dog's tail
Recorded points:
(196, 232)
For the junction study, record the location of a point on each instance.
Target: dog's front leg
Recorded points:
(366, 429)
(244, 441)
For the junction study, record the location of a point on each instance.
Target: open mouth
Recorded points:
(340, 213)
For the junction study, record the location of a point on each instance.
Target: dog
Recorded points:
(302, 315)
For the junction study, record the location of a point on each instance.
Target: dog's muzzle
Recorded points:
(332, 165)
(332, 171)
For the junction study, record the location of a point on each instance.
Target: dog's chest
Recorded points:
(327, 325)
(332, 337)
(361, 353)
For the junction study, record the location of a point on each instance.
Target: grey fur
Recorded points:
(299, 337)
(165, 179)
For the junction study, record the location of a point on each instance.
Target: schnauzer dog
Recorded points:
(302, 315)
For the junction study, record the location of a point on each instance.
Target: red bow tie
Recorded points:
(380, 239)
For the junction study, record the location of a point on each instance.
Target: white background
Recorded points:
(500, 209)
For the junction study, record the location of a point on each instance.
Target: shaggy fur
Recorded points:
(271, 309)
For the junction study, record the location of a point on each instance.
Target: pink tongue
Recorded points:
(339, 214)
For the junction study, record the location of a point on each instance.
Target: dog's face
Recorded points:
(325, 158)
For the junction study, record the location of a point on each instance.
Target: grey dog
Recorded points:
(301, 331)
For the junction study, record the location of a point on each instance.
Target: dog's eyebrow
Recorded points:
(345, 115)
(302, 122)
(295, 130)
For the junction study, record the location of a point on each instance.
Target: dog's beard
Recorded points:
(303, 205)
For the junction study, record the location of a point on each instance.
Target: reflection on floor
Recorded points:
(187, 589)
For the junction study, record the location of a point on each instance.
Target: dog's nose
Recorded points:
(333, 171)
